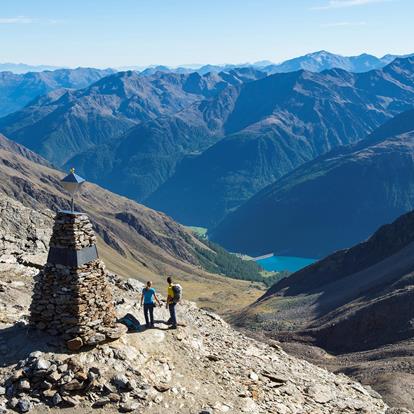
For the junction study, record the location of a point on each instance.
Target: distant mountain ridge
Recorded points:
(20, 68)
(17, 90)
(323, 60)
(341, 197)
(313, 62)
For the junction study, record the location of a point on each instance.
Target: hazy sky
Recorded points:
(106, 33)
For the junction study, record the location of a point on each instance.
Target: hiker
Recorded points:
(148, 295)
(173, 297)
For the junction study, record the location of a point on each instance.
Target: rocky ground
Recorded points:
(204, 366)
(387, 369)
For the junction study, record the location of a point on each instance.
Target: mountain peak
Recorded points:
(321, 53)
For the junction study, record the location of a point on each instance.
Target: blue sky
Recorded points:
(105, 33)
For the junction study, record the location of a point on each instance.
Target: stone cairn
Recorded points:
(72, 297)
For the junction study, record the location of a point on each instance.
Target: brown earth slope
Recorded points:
(134, 240)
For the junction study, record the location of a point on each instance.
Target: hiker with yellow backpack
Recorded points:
(174, 294)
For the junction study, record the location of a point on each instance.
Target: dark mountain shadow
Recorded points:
(355, 299)
(366, 284)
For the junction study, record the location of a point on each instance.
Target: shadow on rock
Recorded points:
(20, 340)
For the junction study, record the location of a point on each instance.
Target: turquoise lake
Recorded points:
(279, 263)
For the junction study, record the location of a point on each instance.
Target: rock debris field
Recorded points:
(203, 367)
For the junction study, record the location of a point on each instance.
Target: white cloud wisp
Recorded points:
(16, 20)
(340, 4)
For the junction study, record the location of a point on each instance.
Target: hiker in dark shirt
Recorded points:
(148, 295)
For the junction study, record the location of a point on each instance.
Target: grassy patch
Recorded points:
(218, 260)
(270, 278)
(198, 231)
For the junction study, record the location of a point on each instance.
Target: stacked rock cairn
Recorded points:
(72, 297)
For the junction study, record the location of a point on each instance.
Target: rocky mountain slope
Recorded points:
(203, 367)
(130, 132)
(127, 131)
(133, 240)
(276, 124)
(356, 303)
(18, 90)
(341, 197)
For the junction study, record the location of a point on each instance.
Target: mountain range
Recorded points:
(198, 146)
(357, 305)
(323, 60)
(33, 81)
(21, 68)
(276, 124)
(129, 130)
(332, 202)
(315, 61)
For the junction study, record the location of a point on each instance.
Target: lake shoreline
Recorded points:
(273, 263)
